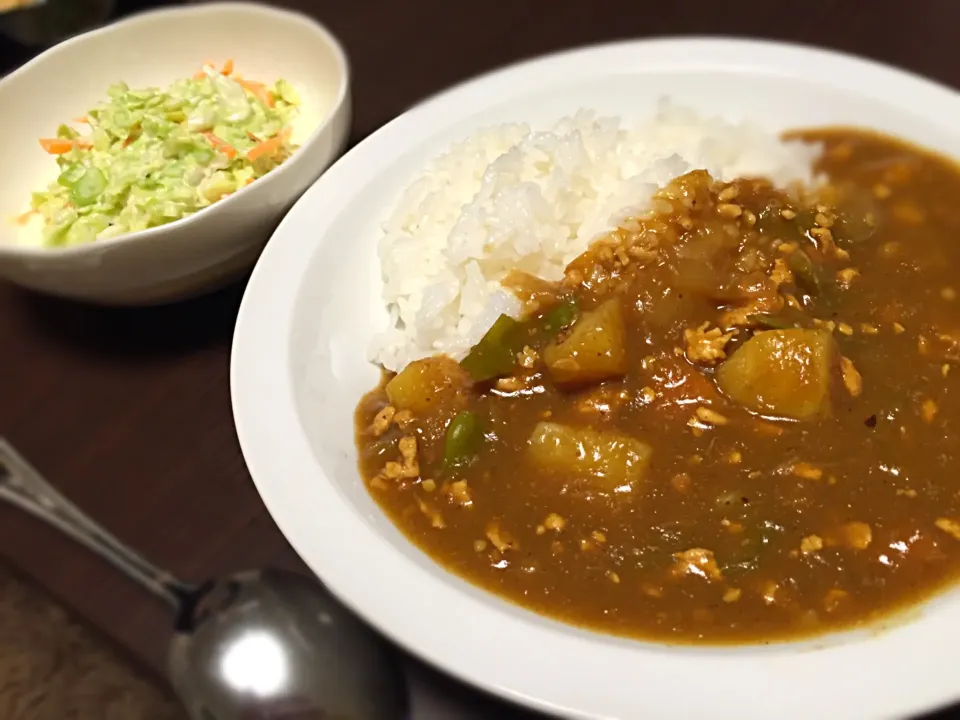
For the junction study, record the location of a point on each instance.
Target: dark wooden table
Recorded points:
(128, 411)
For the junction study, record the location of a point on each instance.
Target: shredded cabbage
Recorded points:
(154, 156)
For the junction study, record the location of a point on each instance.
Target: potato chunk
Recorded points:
(784, 373)
(594, 349)
(425, 386)
(612, 462)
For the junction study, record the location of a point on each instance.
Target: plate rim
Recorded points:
(276, 450)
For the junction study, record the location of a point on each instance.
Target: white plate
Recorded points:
(298, 370)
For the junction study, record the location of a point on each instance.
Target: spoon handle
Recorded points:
(23, 486)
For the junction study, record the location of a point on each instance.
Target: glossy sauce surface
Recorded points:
(756, 438)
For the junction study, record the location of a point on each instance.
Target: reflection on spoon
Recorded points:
(262, 645)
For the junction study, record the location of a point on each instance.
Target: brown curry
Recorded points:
(734, 420)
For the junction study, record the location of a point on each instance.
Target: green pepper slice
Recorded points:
(496, 353)
(560, 317)
(770, 322)
(464, 435)
(88, 187)
(808, 275)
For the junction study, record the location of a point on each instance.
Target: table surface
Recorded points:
(128, 411)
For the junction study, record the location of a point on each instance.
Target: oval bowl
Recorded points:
(201, 251)
(298, 370)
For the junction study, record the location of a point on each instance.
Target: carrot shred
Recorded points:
(258, 89)
(269, 147)
(83, 119)
(135, 132)
(56, 146)
(227, 67)
(24, 218)
(199, 75)
(222, 145)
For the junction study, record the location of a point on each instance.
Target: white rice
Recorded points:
(511, 197)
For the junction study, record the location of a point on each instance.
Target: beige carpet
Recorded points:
(52, 667)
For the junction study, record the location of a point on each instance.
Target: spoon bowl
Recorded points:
(257, 645)
(269, 641)
(203, 250)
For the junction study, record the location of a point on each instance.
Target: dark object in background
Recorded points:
(27, 32)
(54, 20)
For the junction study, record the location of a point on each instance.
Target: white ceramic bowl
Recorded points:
(155, 48)
(298, 370)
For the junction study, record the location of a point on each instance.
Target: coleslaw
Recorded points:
(151, 156)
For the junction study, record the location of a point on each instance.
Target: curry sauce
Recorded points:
(733, 420)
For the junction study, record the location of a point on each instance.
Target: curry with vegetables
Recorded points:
(734, 420)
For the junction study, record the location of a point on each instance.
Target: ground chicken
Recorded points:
(383, 420)
(765, 304)
(768, 591)
(811, 544)
(857, 535)
(392, 470)
(436, 519)
(732, 595)
(706, 346)
(710, 417)
(806, 471)
(527, 358)
(510, 384)
(781, 273)
(846, 276)
(459, 492)
(554, 522)
(408, 451)
(696, 561)
(403, 419)
(852, 380)
(951, 527)
(499, 538)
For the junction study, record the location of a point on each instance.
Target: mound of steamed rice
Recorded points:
(511, 197)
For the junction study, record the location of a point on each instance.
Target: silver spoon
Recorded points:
(260, 645)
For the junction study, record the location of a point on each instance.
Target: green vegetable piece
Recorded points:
(496, 353)
(857, 220)
(287, 92)
(88, 187)
(122, 118)
(805, 219)
(69, 177)
(464, 435)
(561, 317)
(771, 322)
(808, 275)
(203, 155)
(771, 222)
(117, 90)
